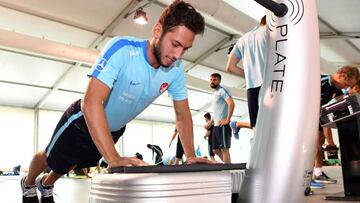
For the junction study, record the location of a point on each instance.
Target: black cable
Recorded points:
(279, 10)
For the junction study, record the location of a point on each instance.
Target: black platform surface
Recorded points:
(177, 168)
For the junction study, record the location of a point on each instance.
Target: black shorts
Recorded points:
(221, 137)
(71, 143)
(253, 104)
(321, 129)
(210, 145)
(179, 149)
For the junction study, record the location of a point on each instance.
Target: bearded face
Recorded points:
(214, 82)
(172, 45)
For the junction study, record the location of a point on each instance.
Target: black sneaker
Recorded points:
(323, 178)
(46, 192)
(29, 193)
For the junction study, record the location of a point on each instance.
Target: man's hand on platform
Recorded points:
(200, 160)
(127, 161)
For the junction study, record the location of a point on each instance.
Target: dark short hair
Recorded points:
(182, 13)
(349, 71)
(357, 84)
(217, 75)
(207, 115)
(139, 156)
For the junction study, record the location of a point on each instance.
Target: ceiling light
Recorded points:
(140, 17)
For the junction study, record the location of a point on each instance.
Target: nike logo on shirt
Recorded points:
(135, 83)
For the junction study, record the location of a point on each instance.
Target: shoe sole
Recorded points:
(326, 181)
(316, 187)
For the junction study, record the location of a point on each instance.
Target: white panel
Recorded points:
(162, 133)
(77, 80)
(249, 7)
(198, 119)
(199, 141)
(218, 24)
(129, 27)
(241, 108)
(157, 113)
(356, 42)
(324, 28)
(19, 95)
(137, 135)
(337, 51)
(164, 99)
(95, 14)
(219, 59)
(60, 100)
(240, 149)
(42, 28)
(29, 70)
(17, 137)
(342, 15)
(47, 124)
(203, 43)
(198, 99)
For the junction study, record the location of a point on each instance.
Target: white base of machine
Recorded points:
(203, 187)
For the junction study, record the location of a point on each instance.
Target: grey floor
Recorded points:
(77, 190)
(331, 189)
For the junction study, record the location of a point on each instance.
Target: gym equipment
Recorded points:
(345, 115)
(289, 102)
(345, 108)
(180, 183)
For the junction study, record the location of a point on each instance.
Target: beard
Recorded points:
(212, 85)
(157, 53)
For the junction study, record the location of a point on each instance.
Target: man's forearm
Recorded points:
(99, 131)
(185, 127)
(230, 112)
(186, 136)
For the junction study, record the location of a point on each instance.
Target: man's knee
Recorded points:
(41, 155)
(216, 151)
(225, 150)
(321, 138)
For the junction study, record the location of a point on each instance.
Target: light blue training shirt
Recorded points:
(124, 67)
(251, 49)
(219, 104)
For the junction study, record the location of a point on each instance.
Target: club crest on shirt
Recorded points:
(163, 87)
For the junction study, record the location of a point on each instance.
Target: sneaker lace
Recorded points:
(47, 192)
(29, 192)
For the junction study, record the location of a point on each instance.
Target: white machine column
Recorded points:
(282, 153)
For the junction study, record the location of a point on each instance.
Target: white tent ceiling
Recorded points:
(46, 73)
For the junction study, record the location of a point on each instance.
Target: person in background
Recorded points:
(331, 87)
(209, 126)
(179, 149)
(159, 153)
(237, 125)
(198, 151)
(251, 50)
(355, 88)
(223, 105)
